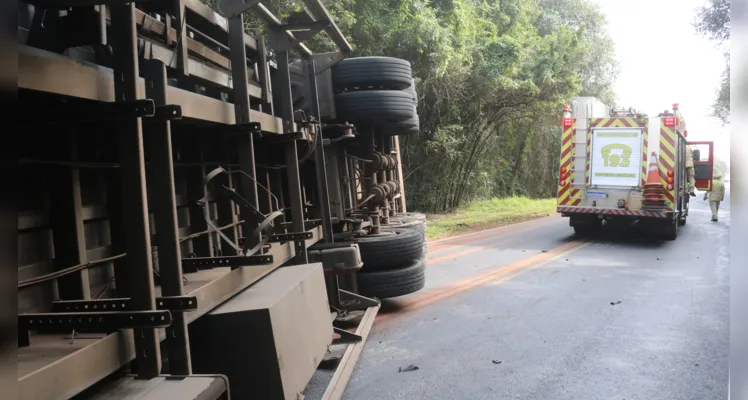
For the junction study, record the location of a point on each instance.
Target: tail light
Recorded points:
(670, 187)
(563, 182)
(670, 179)
(670, 172)
(567, 122)
(669, 121)
(563, 170)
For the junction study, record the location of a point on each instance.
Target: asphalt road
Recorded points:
(532, 312)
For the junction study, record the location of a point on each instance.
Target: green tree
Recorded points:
(713, 21)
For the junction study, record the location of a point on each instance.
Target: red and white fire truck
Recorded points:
(621, 165)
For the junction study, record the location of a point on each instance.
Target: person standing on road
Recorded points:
(716, 195)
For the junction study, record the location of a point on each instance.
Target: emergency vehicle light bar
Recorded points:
(669, 121)
(567, 122)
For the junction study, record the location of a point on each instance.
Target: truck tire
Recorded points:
(391, 249)
(670, 230)
(419, 226)
(407, 127)
(372, 72)
(378, 106)
(594, 226)
(412, 224)
(392, 282)
(412, 90)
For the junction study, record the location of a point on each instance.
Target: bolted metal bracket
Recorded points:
(170, 303)
(169, 112)
(202, 263)
(90, 322)
(354, 302)
(290, 237)
(345, 337)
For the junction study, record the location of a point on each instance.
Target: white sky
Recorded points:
(664, 61)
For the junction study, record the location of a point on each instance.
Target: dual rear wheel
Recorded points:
(377, 91)
(393, 259)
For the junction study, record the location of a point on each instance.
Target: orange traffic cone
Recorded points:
(653, 189)
(653, 175)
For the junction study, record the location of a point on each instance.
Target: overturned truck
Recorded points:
(178, 164)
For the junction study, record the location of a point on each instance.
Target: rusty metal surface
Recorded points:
(44, 71)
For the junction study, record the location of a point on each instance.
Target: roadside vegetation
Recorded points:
(484, 214)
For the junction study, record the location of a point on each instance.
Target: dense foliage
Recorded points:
(492, 76)
(713, 21)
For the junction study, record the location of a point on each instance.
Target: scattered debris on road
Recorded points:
(409, 368)
(615, 303)
(496, 361)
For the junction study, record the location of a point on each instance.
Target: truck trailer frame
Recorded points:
(171, 168)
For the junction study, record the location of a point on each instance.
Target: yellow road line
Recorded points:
(502, 273)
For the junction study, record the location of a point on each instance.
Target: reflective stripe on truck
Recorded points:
(611, 211)
(667, 158)
(567, 194)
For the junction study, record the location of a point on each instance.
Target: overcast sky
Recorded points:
(664, 61)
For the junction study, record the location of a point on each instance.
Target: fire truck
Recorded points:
(625, 167)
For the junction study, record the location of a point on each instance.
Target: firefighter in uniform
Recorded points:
(716, 195)
(690, 171)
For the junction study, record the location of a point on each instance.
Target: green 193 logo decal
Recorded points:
(614, 160)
